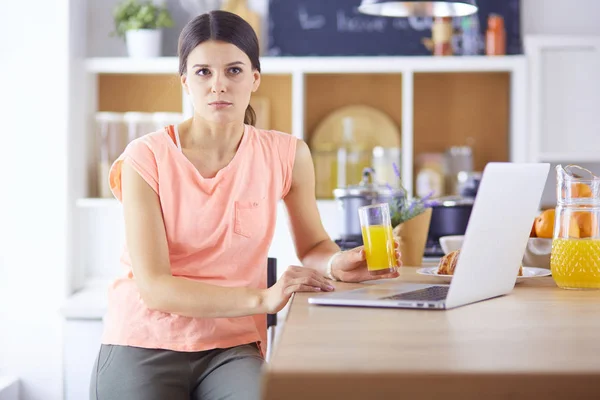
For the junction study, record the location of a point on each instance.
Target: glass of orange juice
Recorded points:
(376, 226)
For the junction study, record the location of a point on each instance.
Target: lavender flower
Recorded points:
(396, 170)
(404, 209)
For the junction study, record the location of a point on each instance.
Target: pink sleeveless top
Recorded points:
(219, 231)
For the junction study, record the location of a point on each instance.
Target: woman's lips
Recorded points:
(219, 105)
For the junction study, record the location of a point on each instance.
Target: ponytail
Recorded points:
(250, 116)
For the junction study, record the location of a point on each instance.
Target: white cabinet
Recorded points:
(565, 97)
(564, 103)
(82, 342)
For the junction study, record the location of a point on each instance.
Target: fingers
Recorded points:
(304, 279)
(399, 258)
(301, 288)
(311, 281)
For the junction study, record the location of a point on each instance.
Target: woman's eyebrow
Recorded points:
(228, 65)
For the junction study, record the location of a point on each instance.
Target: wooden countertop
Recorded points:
(539, 341)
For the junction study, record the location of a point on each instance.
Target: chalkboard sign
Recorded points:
(336, 28)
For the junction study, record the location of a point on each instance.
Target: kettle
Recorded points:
(366, 192)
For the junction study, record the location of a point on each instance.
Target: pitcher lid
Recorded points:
(368, 187)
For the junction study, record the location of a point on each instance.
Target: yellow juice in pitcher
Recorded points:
(575, 263)
(379, 248)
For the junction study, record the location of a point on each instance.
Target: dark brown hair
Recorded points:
(225, 27)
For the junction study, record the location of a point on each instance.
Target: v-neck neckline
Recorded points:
(173, 137)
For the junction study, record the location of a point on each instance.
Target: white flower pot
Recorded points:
(144, 43)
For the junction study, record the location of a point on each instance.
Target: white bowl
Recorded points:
(451, 243)
(537, 252)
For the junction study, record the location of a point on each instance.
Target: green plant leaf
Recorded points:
(137, 14)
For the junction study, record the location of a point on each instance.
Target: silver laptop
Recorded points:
(507, 202)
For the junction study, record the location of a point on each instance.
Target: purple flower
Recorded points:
(412, 206)
(396, 170)
(429, 204)
(424, 199)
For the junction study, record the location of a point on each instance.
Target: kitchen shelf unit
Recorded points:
(293, 84)
(435, 101)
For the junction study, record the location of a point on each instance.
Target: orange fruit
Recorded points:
(580, 190)
(544, 224)
(574, 231)
(533, 233)
(588, 224)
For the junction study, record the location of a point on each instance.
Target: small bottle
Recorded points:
(495, 37)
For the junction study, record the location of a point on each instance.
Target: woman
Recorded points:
(188, 318)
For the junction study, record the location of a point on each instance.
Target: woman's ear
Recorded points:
(256, 83)
(184, 83)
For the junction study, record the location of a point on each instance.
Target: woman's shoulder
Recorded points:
(152, 141)
(273, 135)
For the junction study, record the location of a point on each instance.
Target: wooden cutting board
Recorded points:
(371, 127)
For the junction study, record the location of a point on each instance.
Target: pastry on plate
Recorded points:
(447, 264)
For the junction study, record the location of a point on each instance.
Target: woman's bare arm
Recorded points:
(148, 249)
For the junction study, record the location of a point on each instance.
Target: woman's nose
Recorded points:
(218, 84)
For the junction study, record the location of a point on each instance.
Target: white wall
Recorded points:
(33, 190)
(560, 17)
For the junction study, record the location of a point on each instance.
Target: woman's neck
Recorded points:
(197, 133)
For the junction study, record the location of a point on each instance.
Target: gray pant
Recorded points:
(131, 373)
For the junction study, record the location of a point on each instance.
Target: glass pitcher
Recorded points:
(575, 257)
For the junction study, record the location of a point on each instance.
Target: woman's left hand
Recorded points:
(351, 266)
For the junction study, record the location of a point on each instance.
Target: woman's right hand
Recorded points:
(294, 279)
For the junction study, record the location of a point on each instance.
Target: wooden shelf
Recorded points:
(327, 92)
(288, 65)
(278, 90)
(464, 109)
(143, 93)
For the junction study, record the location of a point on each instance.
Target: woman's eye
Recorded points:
(203, 71)
(235, 70)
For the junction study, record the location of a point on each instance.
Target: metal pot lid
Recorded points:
(368, 188)
(453, 201)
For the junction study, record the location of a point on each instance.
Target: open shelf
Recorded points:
(278, 90)
(288, 65)
(463, 109)
(143, 93)
(328, 92)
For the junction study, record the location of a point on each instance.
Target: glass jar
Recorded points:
(111, 138)
(138, 124)
(325, 161)
(575, 256)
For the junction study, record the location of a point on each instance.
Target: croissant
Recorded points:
(447, 264)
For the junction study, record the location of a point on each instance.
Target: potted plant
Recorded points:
(410, 220)
(140, 23)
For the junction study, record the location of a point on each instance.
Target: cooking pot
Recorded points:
(449, 216)
(367, 192)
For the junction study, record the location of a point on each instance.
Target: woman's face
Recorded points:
(220, 80)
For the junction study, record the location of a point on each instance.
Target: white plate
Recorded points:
(528, 273)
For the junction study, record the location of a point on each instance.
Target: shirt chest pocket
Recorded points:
(251, 218)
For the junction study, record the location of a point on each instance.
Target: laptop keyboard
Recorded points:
(432, 293)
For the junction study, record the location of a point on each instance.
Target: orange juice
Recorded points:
(575, 263)
(379, 248)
